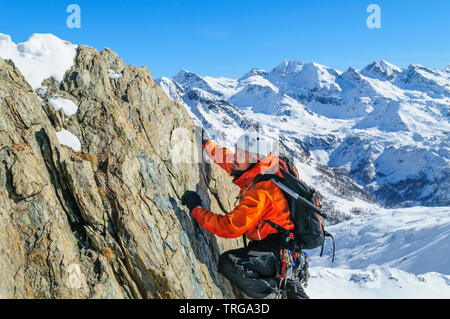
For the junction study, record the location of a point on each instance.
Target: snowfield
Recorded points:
(393, 253)
(376, 282)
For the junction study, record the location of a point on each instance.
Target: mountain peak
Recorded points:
(352, 70)
(253, 72)
(187, 76)
(184, 72)
(386, 65)
(288, 66)
(382, 69)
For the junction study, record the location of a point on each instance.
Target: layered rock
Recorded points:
(105, 222)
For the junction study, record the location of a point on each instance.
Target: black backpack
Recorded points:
(308, 232)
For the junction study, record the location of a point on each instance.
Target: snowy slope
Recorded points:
(412, 239)
(376, 282)
(386, 127)
(392, 253)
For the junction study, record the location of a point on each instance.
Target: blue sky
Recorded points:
(228, 38)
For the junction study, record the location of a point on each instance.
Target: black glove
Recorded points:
(191, 200)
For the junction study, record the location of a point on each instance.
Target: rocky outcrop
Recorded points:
(105, 222)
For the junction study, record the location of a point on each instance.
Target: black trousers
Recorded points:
(254, 269)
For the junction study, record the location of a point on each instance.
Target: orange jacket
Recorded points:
(263, 200)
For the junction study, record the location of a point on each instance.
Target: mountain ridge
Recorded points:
(381, 104)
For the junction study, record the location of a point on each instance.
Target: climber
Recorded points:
(255, 268)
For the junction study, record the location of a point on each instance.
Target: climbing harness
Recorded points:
(293, 266)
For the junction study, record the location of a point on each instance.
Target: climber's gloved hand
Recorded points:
(191, 200)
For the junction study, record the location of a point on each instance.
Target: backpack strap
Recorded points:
(288, 178)
(289, 161)
(288, 240)
(276, 226)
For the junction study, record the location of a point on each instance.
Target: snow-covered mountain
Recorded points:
(386, 127)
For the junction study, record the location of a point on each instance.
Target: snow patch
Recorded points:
(114, 75)
(68, 139)
(69, 108)
(39, 58)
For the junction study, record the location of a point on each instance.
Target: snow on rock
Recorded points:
(429, 80)
(42, 92)
(254, 72)
(39, 58)
(292, 75)
(68, 106)
(172, 89)
(113, 74)
(317, 76)
(68, 139)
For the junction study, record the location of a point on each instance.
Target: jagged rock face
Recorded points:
(105, 222)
